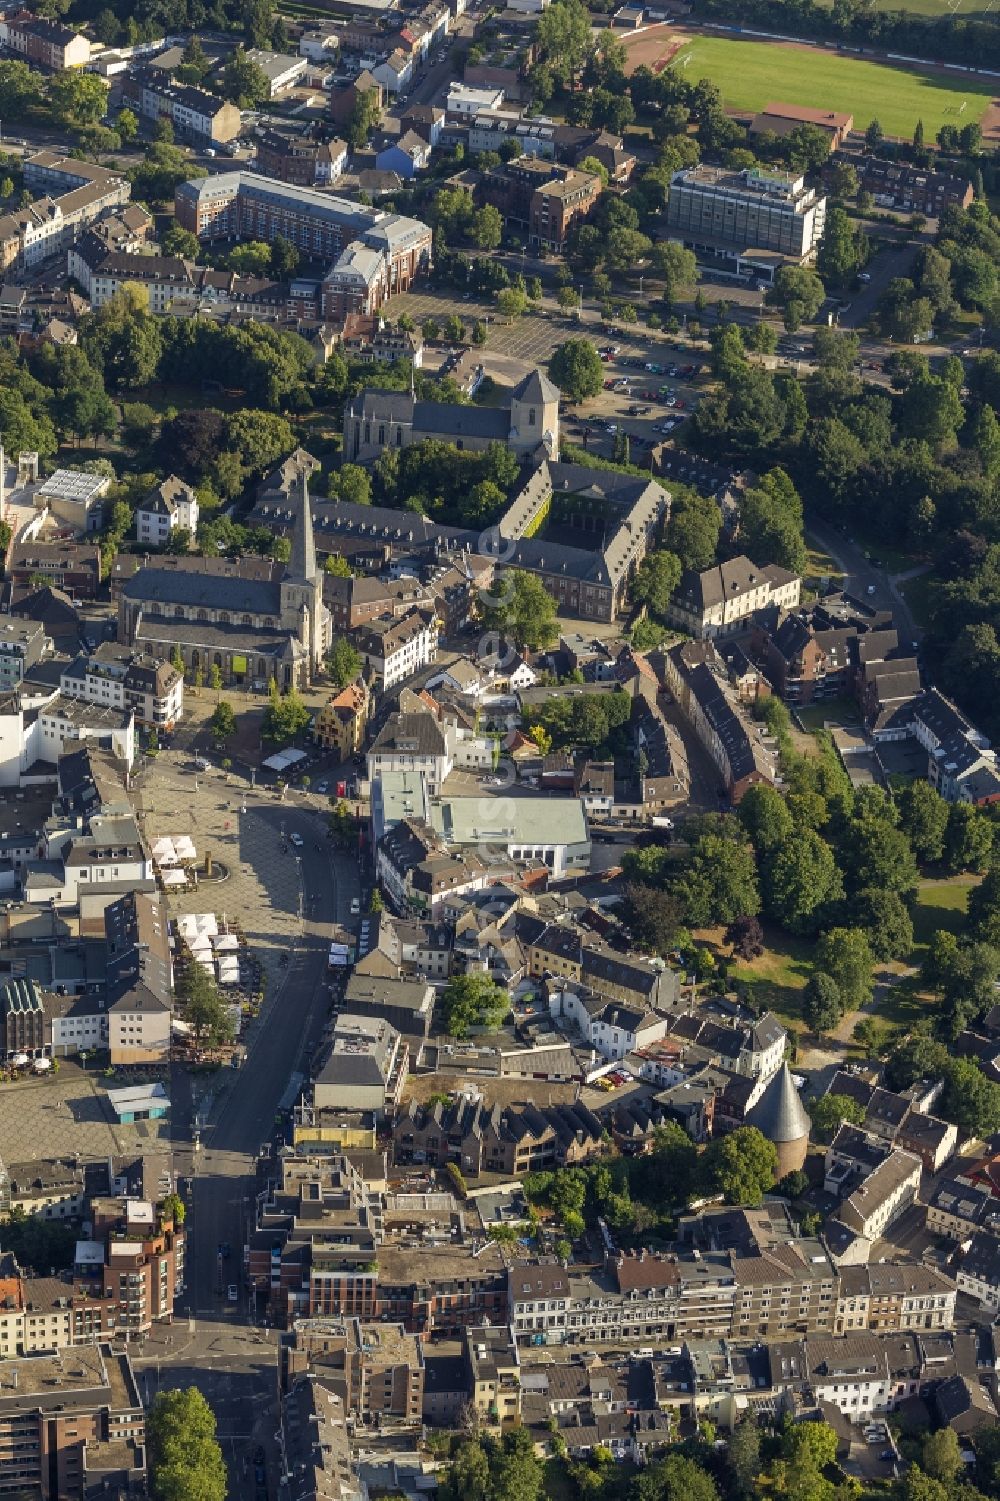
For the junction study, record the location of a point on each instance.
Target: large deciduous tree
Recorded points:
(521, 608)
(742, 1166)
(185, 1459)
(576, 369)
(472, 1001)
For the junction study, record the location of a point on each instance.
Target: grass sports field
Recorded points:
(750, 74)
(965, 10)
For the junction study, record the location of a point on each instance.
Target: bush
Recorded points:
(458, 1183)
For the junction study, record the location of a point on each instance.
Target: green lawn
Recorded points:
(940, 904)
(778, 978)
(966, 10)
(820, 568)
(750, 74)
(839, 710)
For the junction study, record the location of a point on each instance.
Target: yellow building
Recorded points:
(340, 724)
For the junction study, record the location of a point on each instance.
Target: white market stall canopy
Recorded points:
(282, 760)
(174, 849)
(191, 924)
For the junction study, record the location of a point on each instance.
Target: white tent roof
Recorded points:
(184, 847)
(281, 760)
(190, 923)
(173, 877)
(226, 943)
(163, 849)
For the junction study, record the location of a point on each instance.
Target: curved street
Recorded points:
(860, 574)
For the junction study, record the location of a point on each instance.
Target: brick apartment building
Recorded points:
(141, 1268)
(46, 43)
(193, 112)
(543, 197)
(343, 101)
(376, 1369)
(374, 254)
(72, 566)
(69, 1429)
(900, 185)
(299, 159)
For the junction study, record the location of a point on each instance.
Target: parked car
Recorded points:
(232, 1293)
(323, 786)
(355, 906)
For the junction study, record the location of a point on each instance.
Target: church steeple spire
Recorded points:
(303, 560)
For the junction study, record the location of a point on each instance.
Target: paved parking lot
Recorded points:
(262, 890)
(65, 1114)
(531, 340)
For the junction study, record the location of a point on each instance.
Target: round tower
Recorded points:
(780, 1116)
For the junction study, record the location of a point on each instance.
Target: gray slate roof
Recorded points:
(779, 1114)
(174, 587)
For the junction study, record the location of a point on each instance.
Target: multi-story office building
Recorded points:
(374, 254)
(730, 218)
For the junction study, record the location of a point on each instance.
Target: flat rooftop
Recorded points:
(509, 820)
(82, 1376)
(73, 484)
(78, 711)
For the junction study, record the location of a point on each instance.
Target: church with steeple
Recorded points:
(252, 619)
(527, 424)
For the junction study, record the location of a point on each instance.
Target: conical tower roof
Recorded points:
(779, 1114)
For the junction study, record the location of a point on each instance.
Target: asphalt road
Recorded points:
(243, 1114)
(862, 575)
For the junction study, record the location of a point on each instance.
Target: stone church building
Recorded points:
(251, 629)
